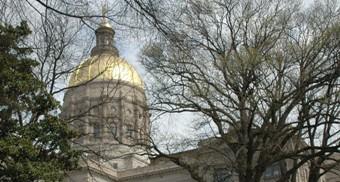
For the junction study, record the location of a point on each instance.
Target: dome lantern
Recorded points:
(104, 37)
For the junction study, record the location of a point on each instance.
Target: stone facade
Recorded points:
(108, 118)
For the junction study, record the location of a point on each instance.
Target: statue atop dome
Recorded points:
(104, 22)
(104, 10)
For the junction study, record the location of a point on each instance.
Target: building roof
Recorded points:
(105, 67)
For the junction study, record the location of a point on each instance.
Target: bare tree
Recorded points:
(56, 40)
(265, 73)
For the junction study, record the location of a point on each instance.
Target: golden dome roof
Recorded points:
(105, 67)
(105, 63)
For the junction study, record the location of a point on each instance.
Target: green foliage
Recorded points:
(34, 142)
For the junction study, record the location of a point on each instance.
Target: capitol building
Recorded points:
(107, 106)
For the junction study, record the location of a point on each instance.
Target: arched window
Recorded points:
(107, 42)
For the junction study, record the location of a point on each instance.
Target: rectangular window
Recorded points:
(129, 131)
(96, 130)
(273, 171)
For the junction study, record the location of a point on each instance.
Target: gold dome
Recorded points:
(105, 67)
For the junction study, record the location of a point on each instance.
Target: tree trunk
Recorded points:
(314, 174)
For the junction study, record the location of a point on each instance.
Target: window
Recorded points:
(107, 42)
(140, 115)
(95, 110)
(129, 131)
(222, 175)
(96, 130)
(82, 128)
(113, 129)
(114, 109)
(273, 171)
(114, 165)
